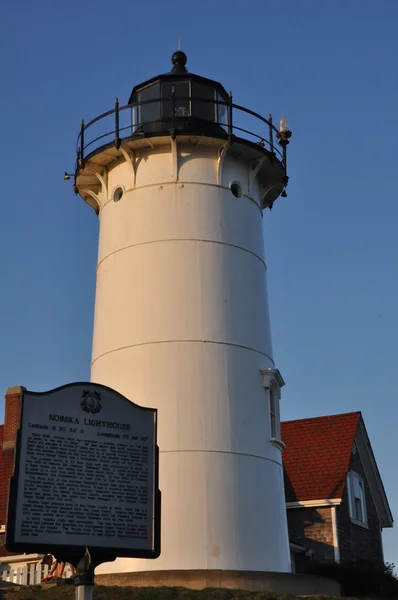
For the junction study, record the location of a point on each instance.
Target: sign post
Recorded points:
(85, 482)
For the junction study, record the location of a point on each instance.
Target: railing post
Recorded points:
(271, 133)
(283, 137)
(230, 124)
(284, 160)
(117, 138)
(82, 145)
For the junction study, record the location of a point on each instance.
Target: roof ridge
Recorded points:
(348, 414)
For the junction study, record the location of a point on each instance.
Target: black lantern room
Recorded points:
(180, 101)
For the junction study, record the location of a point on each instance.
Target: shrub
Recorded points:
(360, 578)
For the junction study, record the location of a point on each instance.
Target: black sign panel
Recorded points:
(85, 475)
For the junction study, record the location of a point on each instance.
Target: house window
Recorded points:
(356, 498)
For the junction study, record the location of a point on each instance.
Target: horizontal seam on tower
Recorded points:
(183, 342)
(223, 452)
(161, 183)
(182, 240)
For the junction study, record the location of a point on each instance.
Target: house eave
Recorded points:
(314, 503)
(373, 476)
(14, 558)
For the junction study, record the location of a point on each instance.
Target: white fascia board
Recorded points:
(20, 558)
(314, 503)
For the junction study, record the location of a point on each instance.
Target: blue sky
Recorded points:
(331, 245)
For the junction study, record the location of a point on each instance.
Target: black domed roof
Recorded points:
(179, 70)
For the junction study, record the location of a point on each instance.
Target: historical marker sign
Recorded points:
(86, 475)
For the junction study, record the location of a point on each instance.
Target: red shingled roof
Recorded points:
(317, 456)
(6, 469)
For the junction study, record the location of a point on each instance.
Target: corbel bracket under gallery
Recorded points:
(130, 158)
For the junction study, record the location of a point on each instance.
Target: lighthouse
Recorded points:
(180, 182)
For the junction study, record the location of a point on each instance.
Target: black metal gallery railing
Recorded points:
(178, 115)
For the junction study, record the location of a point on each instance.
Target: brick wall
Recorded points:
(312, 528)
(11, 417)
(7, 445)
(356, 542)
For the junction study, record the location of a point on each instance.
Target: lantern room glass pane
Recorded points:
(182, 103)
(222, 112)
(151, 111)
(201, 108)
(134, 119)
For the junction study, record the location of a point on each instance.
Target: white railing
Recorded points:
(29, 574)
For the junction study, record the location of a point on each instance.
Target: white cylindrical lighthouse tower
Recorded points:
(181, 311)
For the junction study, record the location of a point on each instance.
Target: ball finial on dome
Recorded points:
(179, 60)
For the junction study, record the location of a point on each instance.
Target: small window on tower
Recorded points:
(236, 189)
(118, 194)
(273, 413)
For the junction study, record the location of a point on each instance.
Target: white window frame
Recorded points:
(357, 499)
(272, 382)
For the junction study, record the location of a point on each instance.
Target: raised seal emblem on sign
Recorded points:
(91, 402)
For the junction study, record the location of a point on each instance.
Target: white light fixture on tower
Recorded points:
(283, 125)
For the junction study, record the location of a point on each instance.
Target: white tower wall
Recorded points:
(182, 324)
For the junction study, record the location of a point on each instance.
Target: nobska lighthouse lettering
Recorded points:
(107, 424)
(63, 419)
(90, 422)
